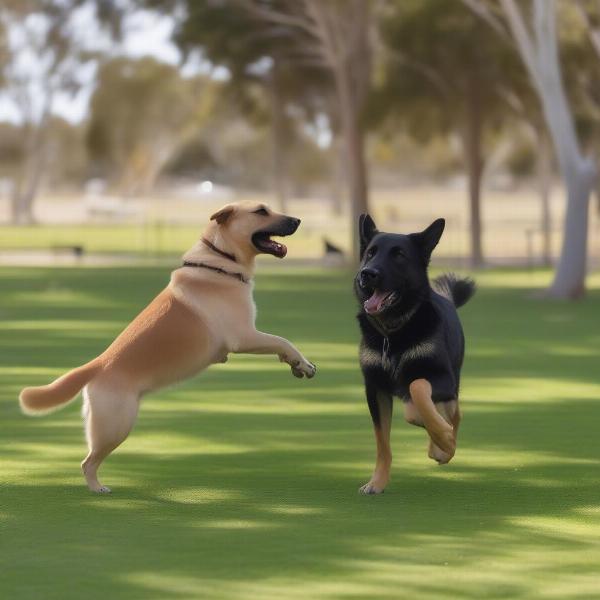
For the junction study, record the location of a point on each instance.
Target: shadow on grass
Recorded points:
(228, 489)
(280, 505)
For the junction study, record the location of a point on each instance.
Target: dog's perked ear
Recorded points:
(367, 230)
(223, 214)
(428, 239)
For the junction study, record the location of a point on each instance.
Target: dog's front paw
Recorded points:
(370, 489)
(303, 368)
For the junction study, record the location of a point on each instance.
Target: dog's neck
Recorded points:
(390, 325)
(215, 249)
(222, 253)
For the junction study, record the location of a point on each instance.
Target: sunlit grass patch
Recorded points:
(242, 483)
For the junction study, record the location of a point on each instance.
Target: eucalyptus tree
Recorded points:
(267, 76)
(322, 49)
(531, 28)
(445, 73)
(44, 56)
(142, 112)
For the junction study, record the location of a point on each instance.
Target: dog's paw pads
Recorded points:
(303, 368)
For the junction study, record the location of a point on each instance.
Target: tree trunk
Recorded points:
(22, 209)
(474, 163)
(354, 142)
(357, 179)
(338, 175)
(544, 172)
(31, 170)
(27, 188)
(579, 175)
(278, 143)
(538, 47)
(569, 279)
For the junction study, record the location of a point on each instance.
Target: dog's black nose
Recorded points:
(369, 277)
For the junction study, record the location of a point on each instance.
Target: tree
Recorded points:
(536, 40)
(309, 39)
(43, 58)
(266, 81)
(436, 82)
(134, 130)
(337, 34)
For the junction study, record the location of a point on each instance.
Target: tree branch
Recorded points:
(483, 11)
(593, 32)
(523, 39)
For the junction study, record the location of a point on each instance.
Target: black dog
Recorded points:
(412, 340)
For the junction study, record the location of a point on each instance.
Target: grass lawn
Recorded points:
(242, 483)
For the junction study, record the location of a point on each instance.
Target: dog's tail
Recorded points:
(46, 398)
(459, 291)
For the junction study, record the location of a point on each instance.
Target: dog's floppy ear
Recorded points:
(428, 239)
(223, 214)
(366, 231)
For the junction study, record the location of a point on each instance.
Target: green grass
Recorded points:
(242, 483)
(153, 239)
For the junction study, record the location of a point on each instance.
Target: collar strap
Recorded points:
(221, 252)
(202, 265)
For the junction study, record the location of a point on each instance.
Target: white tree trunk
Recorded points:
(569, 278)
(544, 175)
(538, 47)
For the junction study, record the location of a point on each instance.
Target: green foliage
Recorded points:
(232, 36)
(242, 483)
(436, 54)
(142, 112)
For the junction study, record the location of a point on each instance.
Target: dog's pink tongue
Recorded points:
(373, 304)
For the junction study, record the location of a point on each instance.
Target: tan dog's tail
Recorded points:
(46, 398)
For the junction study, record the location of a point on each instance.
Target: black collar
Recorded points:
(202, 265)
(221, 252)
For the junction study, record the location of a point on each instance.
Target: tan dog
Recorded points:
(205, 312)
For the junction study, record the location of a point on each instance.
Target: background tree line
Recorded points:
(315, 93)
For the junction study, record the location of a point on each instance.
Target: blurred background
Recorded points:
(124, 123)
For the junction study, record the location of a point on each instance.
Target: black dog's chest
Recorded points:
(394, 362)
(396, 358)
(390, 356)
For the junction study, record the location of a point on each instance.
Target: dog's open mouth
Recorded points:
(379, 301)
(263, 243)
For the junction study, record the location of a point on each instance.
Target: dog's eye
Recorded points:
(398, 253)
(262, 211)
(371, 252)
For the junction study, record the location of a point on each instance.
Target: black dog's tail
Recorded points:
(458, 291)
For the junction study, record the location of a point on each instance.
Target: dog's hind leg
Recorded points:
(451, 413)
(109, 415)
(380, 406)
(440, 431)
